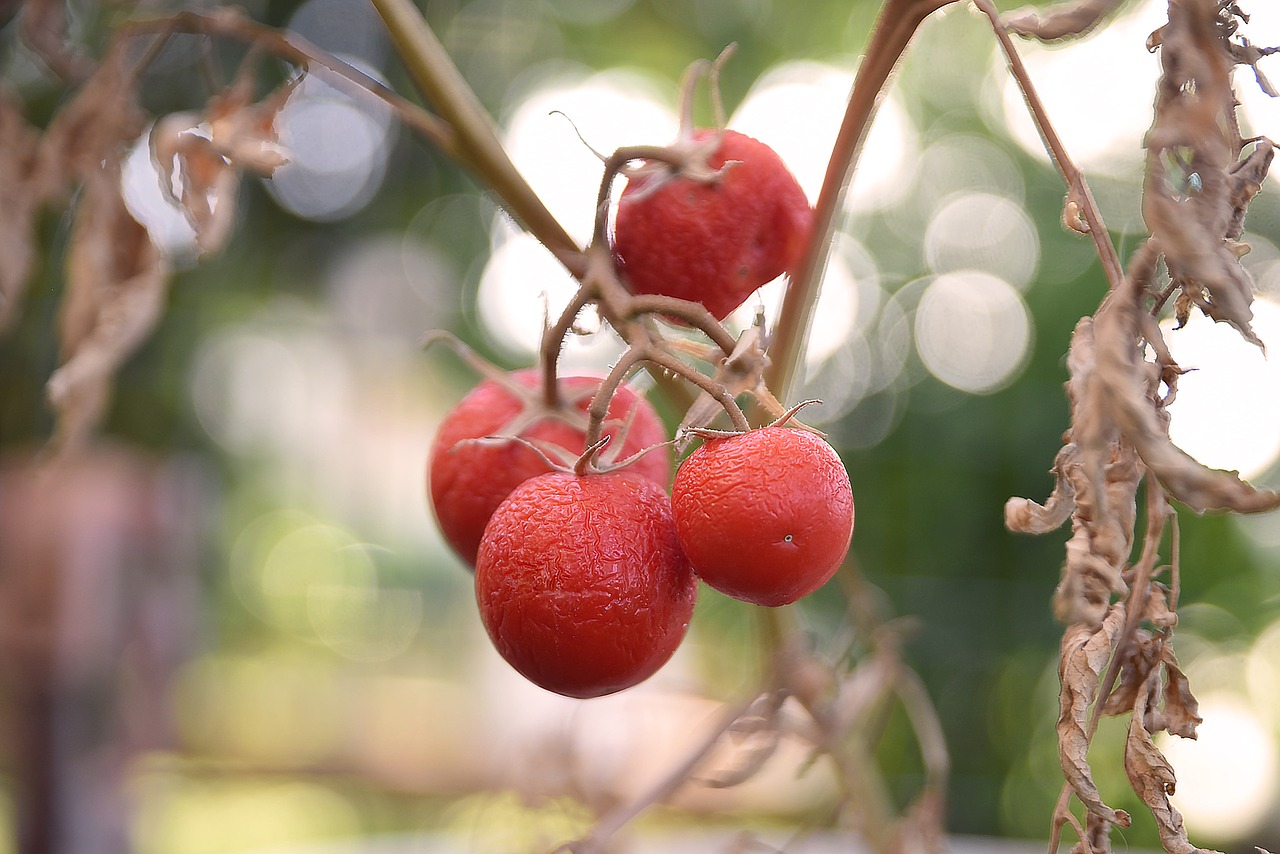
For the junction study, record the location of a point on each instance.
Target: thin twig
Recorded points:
(229, 23)
(440, 82)
(1077, 187)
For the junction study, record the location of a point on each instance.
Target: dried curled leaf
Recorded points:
(1152, 778)
(1061, 21)
(20, 191)
(1125, 394)
(117, 281)
(91, 128)
(199, 157)
(1085, 652)
(1027, 517)
(1181, 710)
(1248, 54)
(1192, 198)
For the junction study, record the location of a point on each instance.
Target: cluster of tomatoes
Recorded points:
(586, 576)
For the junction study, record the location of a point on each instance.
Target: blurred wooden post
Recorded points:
(98, 607)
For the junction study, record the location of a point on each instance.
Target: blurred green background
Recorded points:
(301, 661)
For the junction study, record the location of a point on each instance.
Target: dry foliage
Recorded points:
(116, 278)
(1117, 651)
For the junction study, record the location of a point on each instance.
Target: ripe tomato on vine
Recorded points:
(715, 227)
(467, 479)
(765, 516)
(582, 584)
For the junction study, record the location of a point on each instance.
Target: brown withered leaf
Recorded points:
(206, 183)
(1084, 654)
(1027, 517)
(1244, 181)
(18, 142)
(1140, 658)
(1153, 780)
(1190, 203)
(117, 281)
(1181, 710)
(244, 131)
(1061, 21)
(91, 128)
(204, 154)
(1124, 386)
(44, 28)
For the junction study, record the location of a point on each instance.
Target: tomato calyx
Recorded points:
(569, 405)
(689, 155)
(786, 418)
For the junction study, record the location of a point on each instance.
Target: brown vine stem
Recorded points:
(440, 82)
(1078, 192)
(233, 24)
(897, 23)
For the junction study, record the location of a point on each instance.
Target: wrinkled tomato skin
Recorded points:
(767, 516)
(466, 483)
(713, 242)
(581, 582)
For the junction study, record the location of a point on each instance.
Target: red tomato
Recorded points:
(713, 242)
(766, 516)
(467, 482)
(581, 582)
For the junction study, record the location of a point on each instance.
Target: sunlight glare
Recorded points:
(1097, 92)
(1227, 776)
(981, 231)
(611, 109)
(1227, 413)
(972, 330)
(522, 288)
(796, 108)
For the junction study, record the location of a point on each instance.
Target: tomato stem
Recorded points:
(894, 29)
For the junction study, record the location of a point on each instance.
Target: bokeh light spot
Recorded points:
(972, 330)
(1227, 779)
(796, 108)
(1096, 90)
(338, 144)
(1227, 412)
(980, 231)
(522, 287)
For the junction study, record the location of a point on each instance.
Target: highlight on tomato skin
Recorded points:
(765, 516)
(467, 482)
(581, 582)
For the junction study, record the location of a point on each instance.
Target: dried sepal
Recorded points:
(117, 281)
(1061, 21)
(1085, 652)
